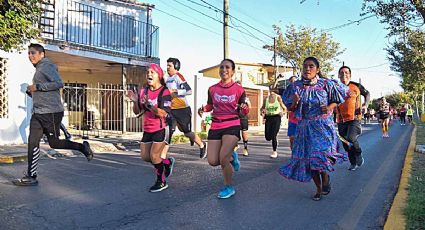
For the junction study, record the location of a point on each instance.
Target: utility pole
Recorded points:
(226, 28)
(274, 60)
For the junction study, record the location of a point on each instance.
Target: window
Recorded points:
(117, 31)
(4, 109)
(260, 78)
(238, 76)
(75, 96)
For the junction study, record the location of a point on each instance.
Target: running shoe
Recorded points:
(26, 181)
(158, 186)
(169, 168)
(352, 167)
(360, 161)
(226, 192)
(235, 162)
(274, 155)
(203, 151)
(87, 151)
(245, 152)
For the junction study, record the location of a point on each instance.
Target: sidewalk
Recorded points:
(10, 154)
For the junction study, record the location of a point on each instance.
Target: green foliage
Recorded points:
(296, 44)
(405, 21)
(408, 58)
(415, 211)
(180, 138)
(397, 14)
(395, 100)
(17, 22)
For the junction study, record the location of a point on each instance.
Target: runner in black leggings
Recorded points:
(47, 114)
(271, 109)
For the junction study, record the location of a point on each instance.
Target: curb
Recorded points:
(13, 158)
(396, 219)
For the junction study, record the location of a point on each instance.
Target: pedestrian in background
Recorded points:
(226, 100)
(314, 152)
(384, 116)
(273, 110)
(403, 115)
(154, 102)
(47, 114)
(409, 114)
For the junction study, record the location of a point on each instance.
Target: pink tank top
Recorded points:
(224, 101)
(151, 122)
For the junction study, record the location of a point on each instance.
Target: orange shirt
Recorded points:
(351, 108)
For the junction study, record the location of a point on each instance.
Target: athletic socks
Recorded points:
(166, 161)
(159, 170)
(245, 144)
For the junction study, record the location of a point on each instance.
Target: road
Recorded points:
(111, 192)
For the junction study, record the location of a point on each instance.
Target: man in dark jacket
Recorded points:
(47, 114)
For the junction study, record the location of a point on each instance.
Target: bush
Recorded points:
(180, 138)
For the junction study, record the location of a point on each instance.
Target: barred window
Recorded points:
(75, 96)
(4, 109)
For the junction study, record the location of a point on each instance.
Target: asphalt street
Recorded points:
(111, 192)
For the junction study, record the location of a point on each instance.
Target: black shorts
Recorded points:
(182, 118)
(217, 134)
(244, 123)
(162, 135)
(384, 115)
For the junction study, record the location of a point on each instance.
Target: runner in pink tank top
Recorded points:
(226, 100)
(154, 103)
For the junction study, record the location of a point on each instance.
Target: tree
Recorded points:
(17, 22)
(297, 44)
(397, 14)
(408, 58)
(395, 100)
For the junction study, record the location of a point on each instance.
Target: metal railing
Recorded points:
(102, 110)
(83, 24)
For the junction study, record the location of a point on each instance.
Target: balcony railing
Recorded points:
(83, 24)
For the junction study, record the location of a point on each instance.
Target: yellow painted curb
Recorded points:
(12, 159)
(396, 219)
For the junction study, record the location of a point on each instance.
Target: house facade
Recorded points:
(101, 48)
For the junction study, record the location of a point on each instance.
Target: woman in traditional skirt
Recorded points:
(313, 99)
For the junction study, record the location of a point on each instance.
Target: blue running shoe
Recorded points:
(226, 192)
(235, 162)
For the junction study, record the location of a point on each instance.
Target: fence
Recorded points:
(102, 110)
(83, 24)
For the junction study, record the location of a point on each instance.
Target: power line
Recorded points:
(206, 15)
(251, 35)
(184, 13)
(237, 19)
(347, 24)
(370, 67)
(201, 27)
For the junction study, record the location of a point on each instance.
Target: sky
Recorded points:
(199, 48)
